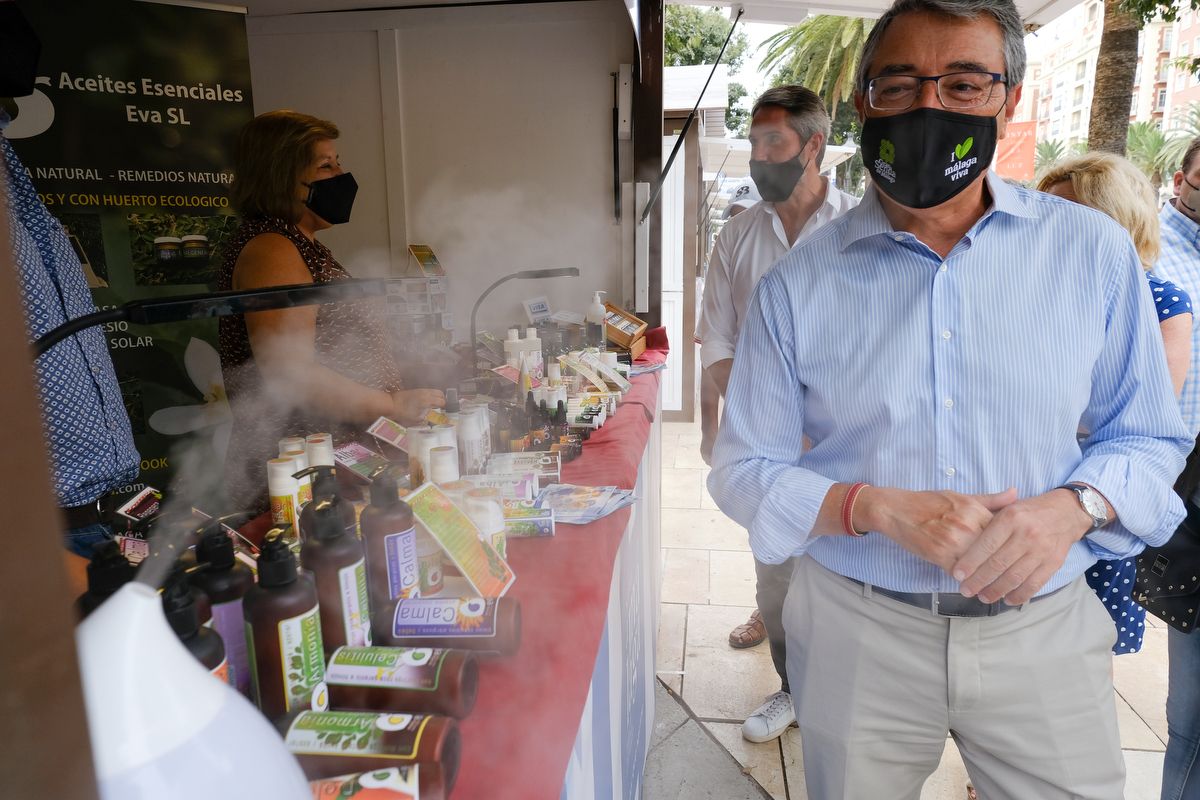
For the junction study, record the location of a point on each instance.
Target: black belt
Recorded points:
(951, 604)
(82, 516)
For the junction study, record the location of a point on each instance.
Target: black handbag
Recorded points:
(1168, 577)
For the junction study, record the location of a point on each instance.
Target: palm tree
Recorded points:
(820, 53)
(1187, 128)
(1149, 148)
(1116, 64)
(1048, 153)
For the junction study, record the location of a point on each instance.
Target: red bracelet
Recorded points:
(848, 509)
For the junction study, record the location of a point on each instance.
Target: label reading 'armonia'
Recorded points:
(356, 733)
(454, 617)
(302, 656)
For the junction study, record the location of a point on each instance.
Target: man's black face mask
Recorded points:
(20, 49)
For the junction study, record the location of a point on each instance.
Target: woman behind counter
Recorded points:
(297, 371)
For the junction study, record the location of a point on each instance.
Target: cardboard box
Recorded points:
(621, 327)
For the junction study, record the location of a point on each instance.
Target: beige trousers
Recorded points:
(877, 684)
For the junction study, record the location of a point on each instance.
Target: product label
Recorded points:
(523, 519)
(389, 431)
(403, 567)
(358, 459)
(397, 783)
(476, 559)
(454, 617)
(356, 733)
(546, 466)
(303, 496)
(302, 656)
(135, 550)
(355, 617)
(229, 623)
(222, 671)
(522, 485)
(255, 695)
(418, 668)
(283, 509)
(142, 505)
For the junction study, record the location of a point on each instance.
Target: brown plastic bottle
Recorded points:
(283, 633)
(459, 623)
(225, 580)
(325, 487)
(418, 680)
(379, 783)
(339, 570)
(179, 606)
(389, 538)
(331, 743)
(107, 571)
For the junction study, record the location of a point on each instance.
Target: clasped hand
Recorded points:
(995, 545)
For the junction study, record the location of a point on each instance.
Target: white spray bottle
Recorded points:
(161, 725)
(595, 322)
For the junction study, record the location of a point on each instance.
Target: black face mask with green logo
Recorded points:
(926, 156)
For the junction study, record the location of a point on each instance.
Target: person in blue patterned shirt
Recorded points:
(86, 426)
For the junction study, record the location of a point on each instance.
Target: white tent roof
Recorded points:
(682, 85)
(790, 12)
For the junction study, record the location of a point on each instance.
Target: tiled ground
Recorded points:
(708, 587)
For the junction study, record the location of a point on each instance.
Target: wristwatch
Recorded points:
(1092, 503)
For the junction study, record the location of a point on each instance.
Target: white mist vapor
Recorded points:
(488, 233)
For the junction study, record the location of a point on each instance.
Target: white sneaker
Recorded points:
(771, 719)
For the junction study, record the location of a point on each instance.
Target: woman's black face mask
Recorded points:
(332, 198)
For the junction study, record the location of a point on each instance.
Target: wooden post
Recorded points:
(44, 748)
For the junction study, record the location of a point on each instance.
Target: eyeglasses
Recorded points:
(955, 90)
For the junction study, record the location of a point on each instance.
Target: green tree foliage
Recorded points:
(1116, 66)
(1047, 153)
(820, 53)
(1149, 149)
(1186, 127)
(692, 36)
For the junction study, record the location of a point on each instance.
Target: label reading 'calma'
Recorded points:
(427, 617)
(355, 617)
(418, 668)
(403, 567)
(302, 656)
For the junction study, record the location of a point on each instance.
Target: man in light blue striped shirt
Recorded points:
(941, 345)
(1180, 262)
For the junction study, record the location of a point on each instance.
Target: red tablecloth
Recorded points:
(517, 741)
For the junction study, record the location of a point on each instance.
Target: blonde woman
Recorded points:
(1114, 186)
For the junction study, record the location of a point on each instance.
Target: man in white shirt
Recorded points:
(788, 131)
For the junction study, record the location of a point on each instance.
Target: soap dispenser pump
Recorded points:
(595, 322)
(325, 487)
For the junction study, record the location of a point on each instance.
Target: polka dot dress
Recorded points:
(1113, 582)
(1169, 299)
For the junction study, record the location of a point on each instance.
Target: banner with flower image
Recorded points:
(128, 139)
